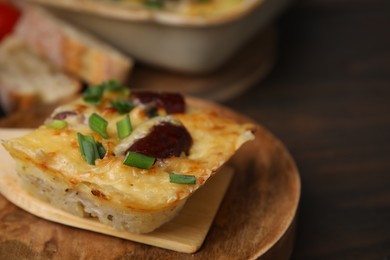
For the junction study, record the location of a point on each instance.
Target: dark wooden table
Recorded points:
(328, 100)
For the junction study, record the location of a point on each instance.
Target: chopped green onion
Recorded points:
(93, 95)
(126, 92)
(112, 85)
(115, 86)
(101, 150)
(89, 149)
(182, 179)
(81, 138)
(89, 152)
(123, 127)
(98, 124)
(139, 160)
(57, 124)
(122, 105)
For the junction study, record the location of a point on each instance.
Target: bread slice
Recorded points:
(130, 198)
(71, 49)
(26, 78)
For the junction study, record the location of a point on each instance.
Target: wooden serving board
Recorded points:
(255, 220)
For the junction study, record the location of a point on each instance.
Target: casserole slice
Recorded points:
(128, 160)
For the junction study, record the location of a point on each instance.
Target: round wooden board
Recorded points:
(256, 218)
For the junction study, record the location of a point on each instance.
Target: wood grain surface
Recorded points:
(255, 219)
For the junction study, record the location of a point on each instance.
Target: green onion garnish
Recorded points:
(126, 92)
(101, 150)
(115, 86)
(89, 149)
(182, 179)
(98, 124)
(57, 124)
(139, 160)
(123, 127)
(93, 95)
(112, 85)
(122, 105)
(89, 152)
(85, 139)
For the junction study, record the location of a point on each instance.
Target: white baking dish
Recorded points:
(174, 41)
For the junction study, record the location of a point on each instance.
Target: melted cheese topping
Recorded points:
(56, 153)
